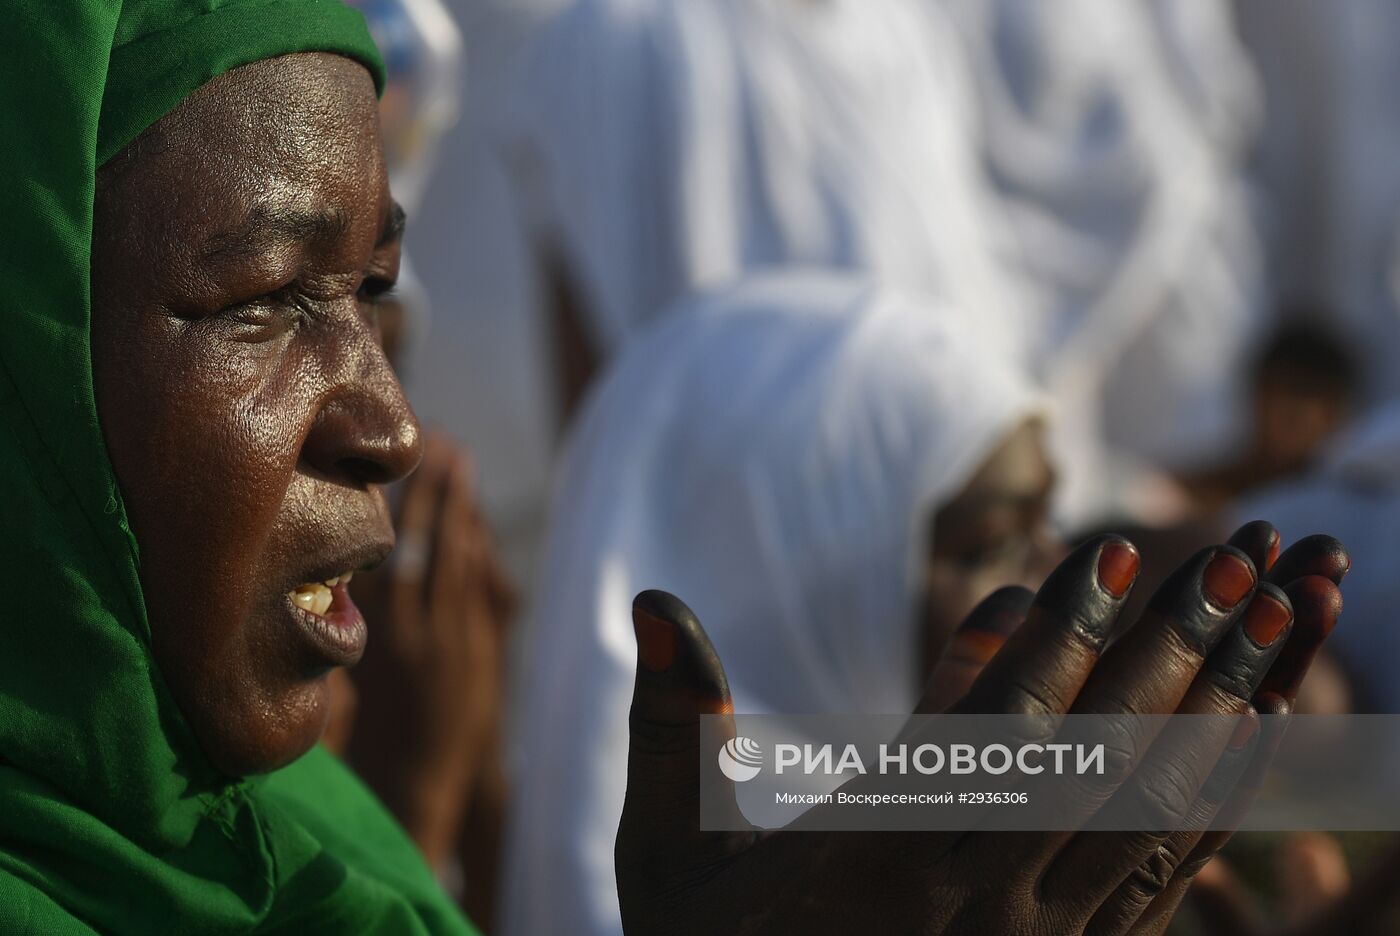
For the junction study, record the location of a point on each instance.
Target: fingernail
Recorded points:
(1227, 580)
(656, 640)
(1245, 730)
(1118, 566)
(1265, 619)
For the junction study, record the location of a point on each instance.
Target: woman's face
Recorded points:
(994, 533)
(251, 417)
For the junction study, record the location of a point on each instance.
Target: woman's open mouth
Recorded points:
(335, 628)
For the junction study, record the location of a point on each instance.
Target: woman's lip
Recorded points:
(338, 637)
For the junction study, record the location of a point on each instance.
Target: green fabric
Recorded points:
(110, 818)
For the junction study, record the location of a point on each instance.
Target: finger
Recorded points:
(455, 568)
(1318, 554)
(1317, 605)
(973, 644)
(1169, 790)
(1202, 855)
(1260, 541)
(1151, 668)
(679, 679)
(422, 492)
(1126, 909)
(1044, 664)
(1316, 602)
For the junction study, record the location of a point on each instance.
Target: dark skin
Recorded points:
(251, 417)
(1193, 652)
(995, 532)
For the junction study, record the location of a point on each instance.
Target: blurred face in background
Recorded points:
(1293, 419)
(995, 532)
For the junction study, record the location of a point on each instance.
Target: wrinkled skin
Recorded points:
(1202, 647)
(251, 417)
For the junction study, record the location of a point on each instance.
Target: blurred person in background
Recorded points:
(661, 146)
(1327, 158)
(425, 727)
(483, 378)
(1304, 385)
(1116, 134)
(854, 473)
(1357, 488)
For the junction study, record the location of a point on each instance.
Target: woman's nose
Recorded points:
(366, 432)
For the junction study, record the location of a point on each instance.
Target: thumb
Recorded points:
(679, 679)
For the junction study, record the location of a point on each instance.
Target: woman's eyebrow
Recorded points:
(271, 227)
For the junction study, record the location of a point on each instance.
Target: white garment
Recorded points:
(1117, 132)
(1355, 496)
(772, 454)
(667, 145)
(1330, 157)
(482, 372)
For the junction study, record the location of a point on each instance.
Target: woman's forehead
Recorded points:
(278, 152)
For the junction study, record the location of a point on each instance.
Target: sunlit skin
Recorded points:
(995, 532)
(250, 415)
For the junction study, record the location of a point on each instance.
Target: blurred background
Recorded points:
(1179, 218)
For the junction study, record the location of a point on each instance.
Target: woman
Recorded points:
(833, 454)
(196, 227)
(216, 166)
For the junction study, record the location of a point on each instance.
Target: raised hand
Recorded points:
(1211, 635)
(430, 684)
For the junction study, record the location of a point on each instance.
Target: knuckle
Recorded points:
(1023, 698)
(1151, 878)
(1165, 796)
(1121, 748)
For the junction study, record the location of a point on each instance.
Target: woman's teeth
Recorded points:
(316, 597)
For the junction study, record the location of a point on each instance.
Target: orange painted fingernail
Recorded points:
(1118, 566)
(1265, 619)
(656, 640)
(1227, 580)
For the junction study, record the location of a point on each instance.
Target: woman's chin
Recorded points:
(268, 736)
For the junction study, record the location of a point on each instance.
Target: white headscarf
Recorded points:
(668, 145)
(772, 454)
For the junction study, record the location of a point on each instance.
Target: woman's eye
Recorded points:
(375, 290)
(263, 318)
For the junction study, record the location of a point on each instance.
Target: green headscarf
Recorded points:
(111, 820)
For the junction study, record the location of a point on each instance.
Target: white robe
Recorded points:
(772, 454)
(662, 146)
(1117, 133)
(1331, 160)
